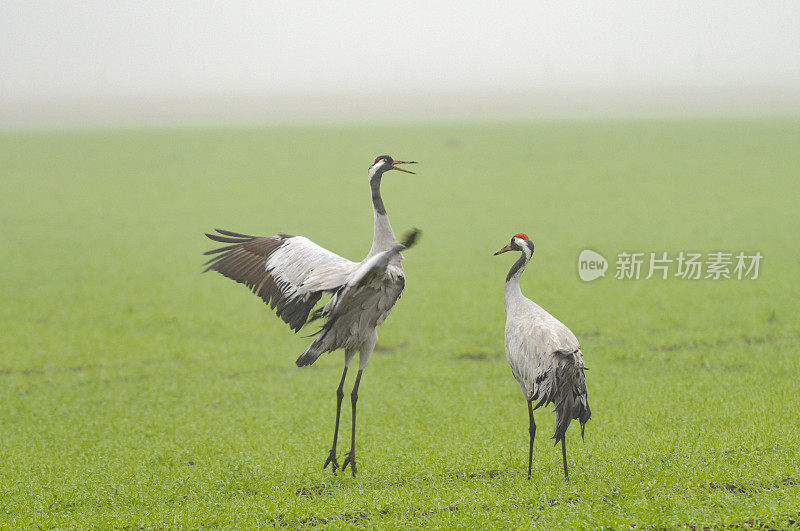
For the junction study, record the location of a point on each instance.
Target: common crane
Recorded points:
(291, 273)
(544, 355)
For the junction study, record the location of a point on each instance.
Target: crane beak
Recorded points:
(394, 166)
(503, 250)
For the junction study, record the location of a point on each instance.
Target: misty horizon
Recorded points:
(287, 61)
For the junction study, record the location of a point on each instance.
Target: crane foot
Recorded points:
(331, 460)
(350, 460)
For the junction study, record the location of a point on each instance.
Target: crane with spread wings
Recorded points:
(292, 273)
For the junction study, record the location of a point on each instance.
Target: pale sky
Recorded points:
(51, 50)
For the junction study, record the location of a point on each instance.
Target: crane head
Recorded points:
(519, 242)
(385, 163)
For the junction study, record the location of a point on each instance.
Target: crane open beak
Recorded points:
(394, 166)
(503, 250)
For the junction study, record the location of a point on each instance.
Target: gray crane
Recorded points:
(291, 273)
(544, 355)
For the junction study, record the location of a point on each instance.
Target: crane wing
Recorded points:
(290, 273)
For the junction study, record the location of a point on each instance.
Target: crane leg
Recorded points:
(564, 456)
(339, 396)
(351, 455)
(532, 431)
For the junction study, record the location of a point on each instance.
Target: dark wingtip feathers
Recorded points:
(235, 234)
(244, 261)
(226, 236)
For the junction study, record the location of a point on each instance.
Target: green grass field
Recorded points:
(135, 391)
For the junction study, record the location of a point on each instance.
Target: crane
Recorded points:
(291, 273)
(544, 355)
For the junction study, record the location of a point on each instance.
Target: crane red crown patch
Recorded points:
(523, 236)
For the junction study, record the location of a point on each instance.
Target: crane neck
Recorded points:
(383, 237)
(512, 289)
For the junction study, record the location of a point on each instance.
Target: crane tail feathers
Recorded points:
(564, 386)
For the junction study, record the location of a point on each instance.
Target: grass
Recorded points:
(136, 392)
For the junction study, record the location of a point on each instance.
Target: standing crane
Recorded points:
(291, 273)
(544, 355)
